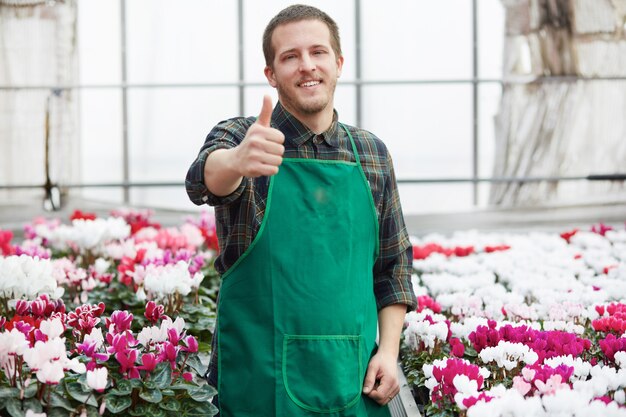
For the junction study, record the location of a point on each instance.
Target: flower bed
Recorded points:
(107, 316)
(519, 324)
(113, 316)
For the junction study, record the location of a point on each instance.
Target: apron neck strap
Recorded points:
(356, 154)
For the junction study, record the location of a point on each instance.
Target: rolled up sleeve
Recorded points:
(225, 135)
(393, 268)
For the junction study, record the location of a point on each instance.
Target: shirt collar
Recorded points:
(297, 133)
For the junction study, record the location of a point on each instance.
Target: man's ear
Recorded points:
(339, 66)
(269, 74)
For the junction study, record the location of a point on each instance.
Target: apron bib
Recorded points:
(297, 315)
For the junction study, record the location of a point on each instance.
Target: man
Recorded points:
(314, 250)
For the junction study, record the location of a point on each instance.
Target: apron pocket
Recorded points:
(322, 373)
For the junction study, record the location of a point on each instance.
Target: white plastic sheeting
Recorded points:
(37, 47)
(569, 127)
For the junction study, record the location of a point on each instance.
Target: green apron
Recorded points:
(297, 315)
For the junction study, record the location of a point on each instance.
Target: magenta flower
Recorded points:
(121, 321)
(154, 311)
(169, 352)
(149, 362)
(127, 360)
(457, 347)
(192, 344)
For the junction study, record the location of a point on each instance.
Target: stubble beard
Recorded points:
(305, 107)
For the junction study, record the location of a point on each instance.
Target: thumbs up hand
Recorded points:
(261, 151)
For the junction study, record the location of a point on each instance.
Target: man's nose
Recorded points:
(307, 64)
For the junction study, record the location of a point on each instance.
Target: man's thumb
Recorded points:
(266, 112)
(370, 380)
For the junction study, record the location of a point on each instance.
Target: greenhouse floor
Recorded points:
(13, 216)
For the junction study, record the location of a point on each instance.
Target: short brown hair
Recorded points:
(296, 13)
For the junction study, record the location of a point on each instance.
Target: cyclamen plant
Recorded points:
(82, 362)
(126, 344)
(535, 324)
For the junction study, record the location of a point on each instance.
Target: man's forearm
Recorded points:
(390, 323)
(220, 177)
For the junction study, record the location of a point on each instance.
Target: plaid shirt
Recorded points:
(239, 215)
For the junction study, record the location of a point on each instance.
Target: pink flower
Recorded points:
(187, 376)
(149, 362)
(127, 360)
(191, 344)
(169, 353)
(121, 320)
(521, 386)
(553, 384)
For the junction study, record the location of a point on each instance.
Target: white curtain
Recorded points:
(37, 48)
(565, 128)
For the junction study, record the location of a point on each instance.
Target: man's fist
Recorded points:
(261, 151)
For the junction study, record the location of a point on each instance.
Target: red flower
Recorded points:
(77, 214)
(154, 311)
(497, 248)
(6, 248)
(458, 348)
(568, 235)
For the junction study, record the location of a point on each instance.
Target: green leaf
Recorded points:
(14, 408)
(92, 412)
(30, 391)
(185, 387)
(32, 404)
(151, 395)
(139, 410)
(10, 392)
(167, 392)
(162, 375)
(204, 347)
(202, 394)
(170, 404)
(116, 404)
(194, 363)
(155, 411)
(122, 388)
(59, 401)
(57, 412)
(75, 390)
(192, 409)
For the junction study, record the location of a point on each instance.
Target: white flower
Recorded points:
(101, 266)
(169, 279)
(620, 359)
(87, 234)
(52, 328)
(30, 413)
(97, 379)
(26, 277)
(95, 336)
(508, 355)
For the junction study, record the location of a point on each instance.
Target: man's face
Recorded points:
(305, 69)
